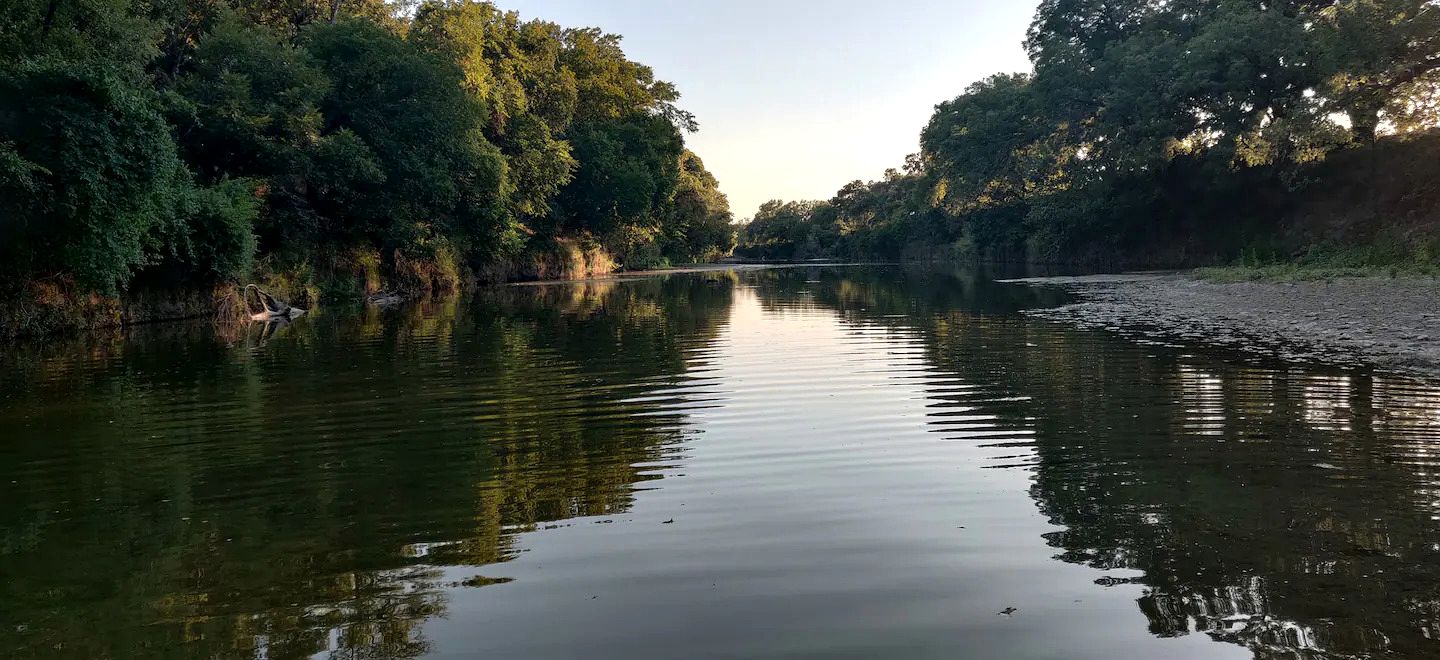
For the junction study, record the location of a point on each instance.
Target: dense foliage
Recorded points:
(1179, 129)
(203, 141)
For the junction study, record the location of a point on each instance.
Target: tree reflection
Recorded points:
(174, 493)
(1282, 521)
(1291, 510)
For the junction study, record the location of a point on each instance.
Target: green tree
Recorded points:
(994, 144)
(248, 104)
(628, 170)
(505, 63)
(115, 34)
(177, 139)
(698, 223)
(408, 108)
(1384, 61)
(612, 86)
(90, 176)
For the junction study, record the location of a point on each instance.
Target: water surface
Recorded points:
(811, 462)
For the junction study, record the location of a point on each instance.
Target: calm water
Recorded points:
(815, 462)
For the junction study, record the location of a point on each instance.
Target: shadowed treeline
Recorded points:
(1165, 134)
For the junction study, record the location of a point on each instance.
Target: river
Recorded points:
(794, 462)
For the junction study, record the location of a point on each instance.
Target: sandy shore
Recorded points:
(1389, 324)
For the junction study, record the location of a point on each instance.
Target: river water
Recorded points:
(801, 462)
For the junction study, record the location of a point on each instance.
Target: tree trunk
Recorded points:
(334, 10)
(50, 16)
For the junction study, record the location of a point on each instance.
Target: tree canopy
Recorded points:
(1138, 113)
(180, 140)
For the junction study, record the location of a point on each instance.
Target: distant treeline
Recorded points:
(196, 142)
(1179, 132)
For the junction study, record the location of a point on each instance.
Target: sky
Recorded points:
(796, 98)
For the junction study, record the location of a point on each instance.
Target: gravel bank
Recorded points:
(1389, 324)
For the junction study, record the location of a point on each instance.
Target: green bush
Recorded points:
(90, 173)
(220, 222)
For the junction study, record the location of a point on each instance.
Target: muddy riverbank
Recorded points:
(1389, 324)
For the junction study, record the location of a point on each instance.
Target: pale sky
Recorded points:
(798, 97)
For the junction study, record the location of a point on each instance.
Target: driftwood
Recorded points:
(264, 307)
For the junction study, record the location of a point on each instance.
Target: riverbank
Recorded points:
(1298, 272)
(1392, 324)
(57, 307)
(721, 266)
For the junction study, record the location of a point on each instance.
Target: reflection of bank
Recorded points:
(300, 499)
(1328, 402)
(1235, 613)
(1287, 520)
(1202, 399)
(259, 333)
(1295, 510)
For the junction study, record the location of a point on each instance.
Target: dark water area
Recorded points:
(799, 462)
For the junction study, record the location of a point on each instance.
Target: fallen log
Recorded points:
(264, 307)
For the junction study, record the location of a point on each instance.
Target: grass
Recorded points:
(1328, 262)
(1304, 273)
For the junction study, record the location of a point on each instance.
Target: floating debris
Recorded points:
(1108, 581)
(481, 581)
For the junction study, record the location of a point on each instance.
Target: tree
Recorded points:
(628, 170)
(115, 34)
(248, 105)
(90, 174)
(993, 144)
(505, 63)
(611, 86)
(698, 225)
(407, 106)
(173, 140)
(1384, 60)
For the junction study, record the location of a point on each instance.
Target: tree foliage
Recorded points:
(90, 174)
(698, 223)
(188, 137)
(1140, 113)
